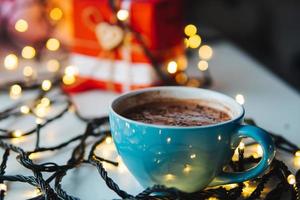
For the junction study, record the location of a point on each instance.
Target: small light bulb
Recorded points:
(28, 71)
(193, 156)
(46, 85)
(15, 91)
(122, 14)
(187, 169)
(291, 179)
(182, 63)
(3, 187)
(186, 42)
(40, 110)
(108, 140)
(240, 99)
(190, 30)
(56, 14)
(37, 191)
(21, 25)
(68, 80)
(17, 133)
(71, 70)
(53, 65)
(202, 65)
(172, 67)
(169, 177)
(297, 161)
(168, 140)
(205, 52)
(39, 120)
(28, 52)
(297, 154)
(11, 62)
(24, 109)
(52, 44)
(45, 102)
(194, 41)
(35, 156)
(181, 78)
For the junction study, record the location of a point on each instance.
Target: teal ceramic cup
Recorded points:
(188, 158)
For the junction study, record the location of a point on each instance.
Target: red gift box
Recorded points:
(158, 22)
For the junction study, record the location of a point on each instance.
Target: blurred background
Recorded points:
(267, 30)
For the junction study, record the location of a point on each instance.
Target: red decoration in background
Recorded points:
(158, 22)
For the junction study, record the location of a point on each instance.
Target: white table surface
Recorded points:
(273, 104)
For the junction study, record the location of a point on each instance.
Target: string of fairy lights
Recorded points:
(42, 106)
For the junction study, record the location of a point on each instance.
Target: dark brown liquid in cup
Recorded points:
(176, 113)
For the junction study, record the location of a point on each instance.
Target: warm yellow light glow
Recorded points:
(46, 85)
(193, 83)
(297, 154)
(24, 109)
(248, 189)
(212, 198)
(193, 156)
(202, 65)
(182, 63)
(172, 67)
(122, 168)
(230, 186)
(52, 44)
(11, 62)
(194, 41)
(108, 140)
(40, 111)
(27, 71)
(37, 192)
(186, 42)
(240, 99)
(56, 14)
(72, 108)
(205, 52)
(297, 161)
(15, 91)
(68, 80)
(28, 52)
(181, 78)
(190, 30)
(17, 133)
(187, 169)
(71, 70)
(122, 14)
(3, 187)
(241, 146)
(259, 150)
(35, 156)
(39, 120)
(21, 25)
(45, 102)
(169, 177)
(53, 65)
(291, 179)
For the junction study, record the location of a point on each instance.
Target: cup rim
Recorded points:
(130, 93)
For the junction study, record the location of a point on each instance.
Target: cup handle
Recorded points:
(266, 142)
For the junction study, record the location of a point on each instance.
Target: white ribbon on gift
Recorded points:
(100, 69)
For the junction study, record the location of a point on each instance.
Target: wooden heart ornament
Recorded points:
(109, 36)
